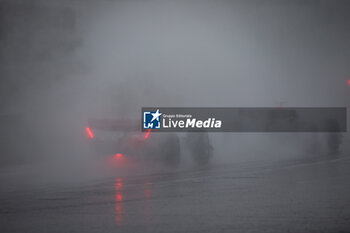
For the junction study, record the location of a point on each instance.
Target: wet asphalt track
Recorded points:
(292, 196)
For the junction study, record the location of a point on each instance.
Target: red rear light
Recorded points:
(90, 133)
(147, 134)
(118, 157)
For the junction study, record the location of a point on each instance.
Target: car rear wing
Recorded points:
(110, 124)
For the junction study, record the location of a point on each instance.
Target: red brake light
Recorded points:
(90, 133)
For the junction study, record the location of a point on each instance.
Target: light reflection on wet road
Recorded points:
(289, 197)
(118, 201)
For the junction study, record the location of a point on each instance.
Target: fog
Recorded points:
(62, 63)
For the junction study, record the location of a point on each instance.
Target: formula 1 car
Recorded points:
(122, 138)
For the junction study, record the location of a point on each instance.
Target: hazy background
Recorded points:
(64, 61)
